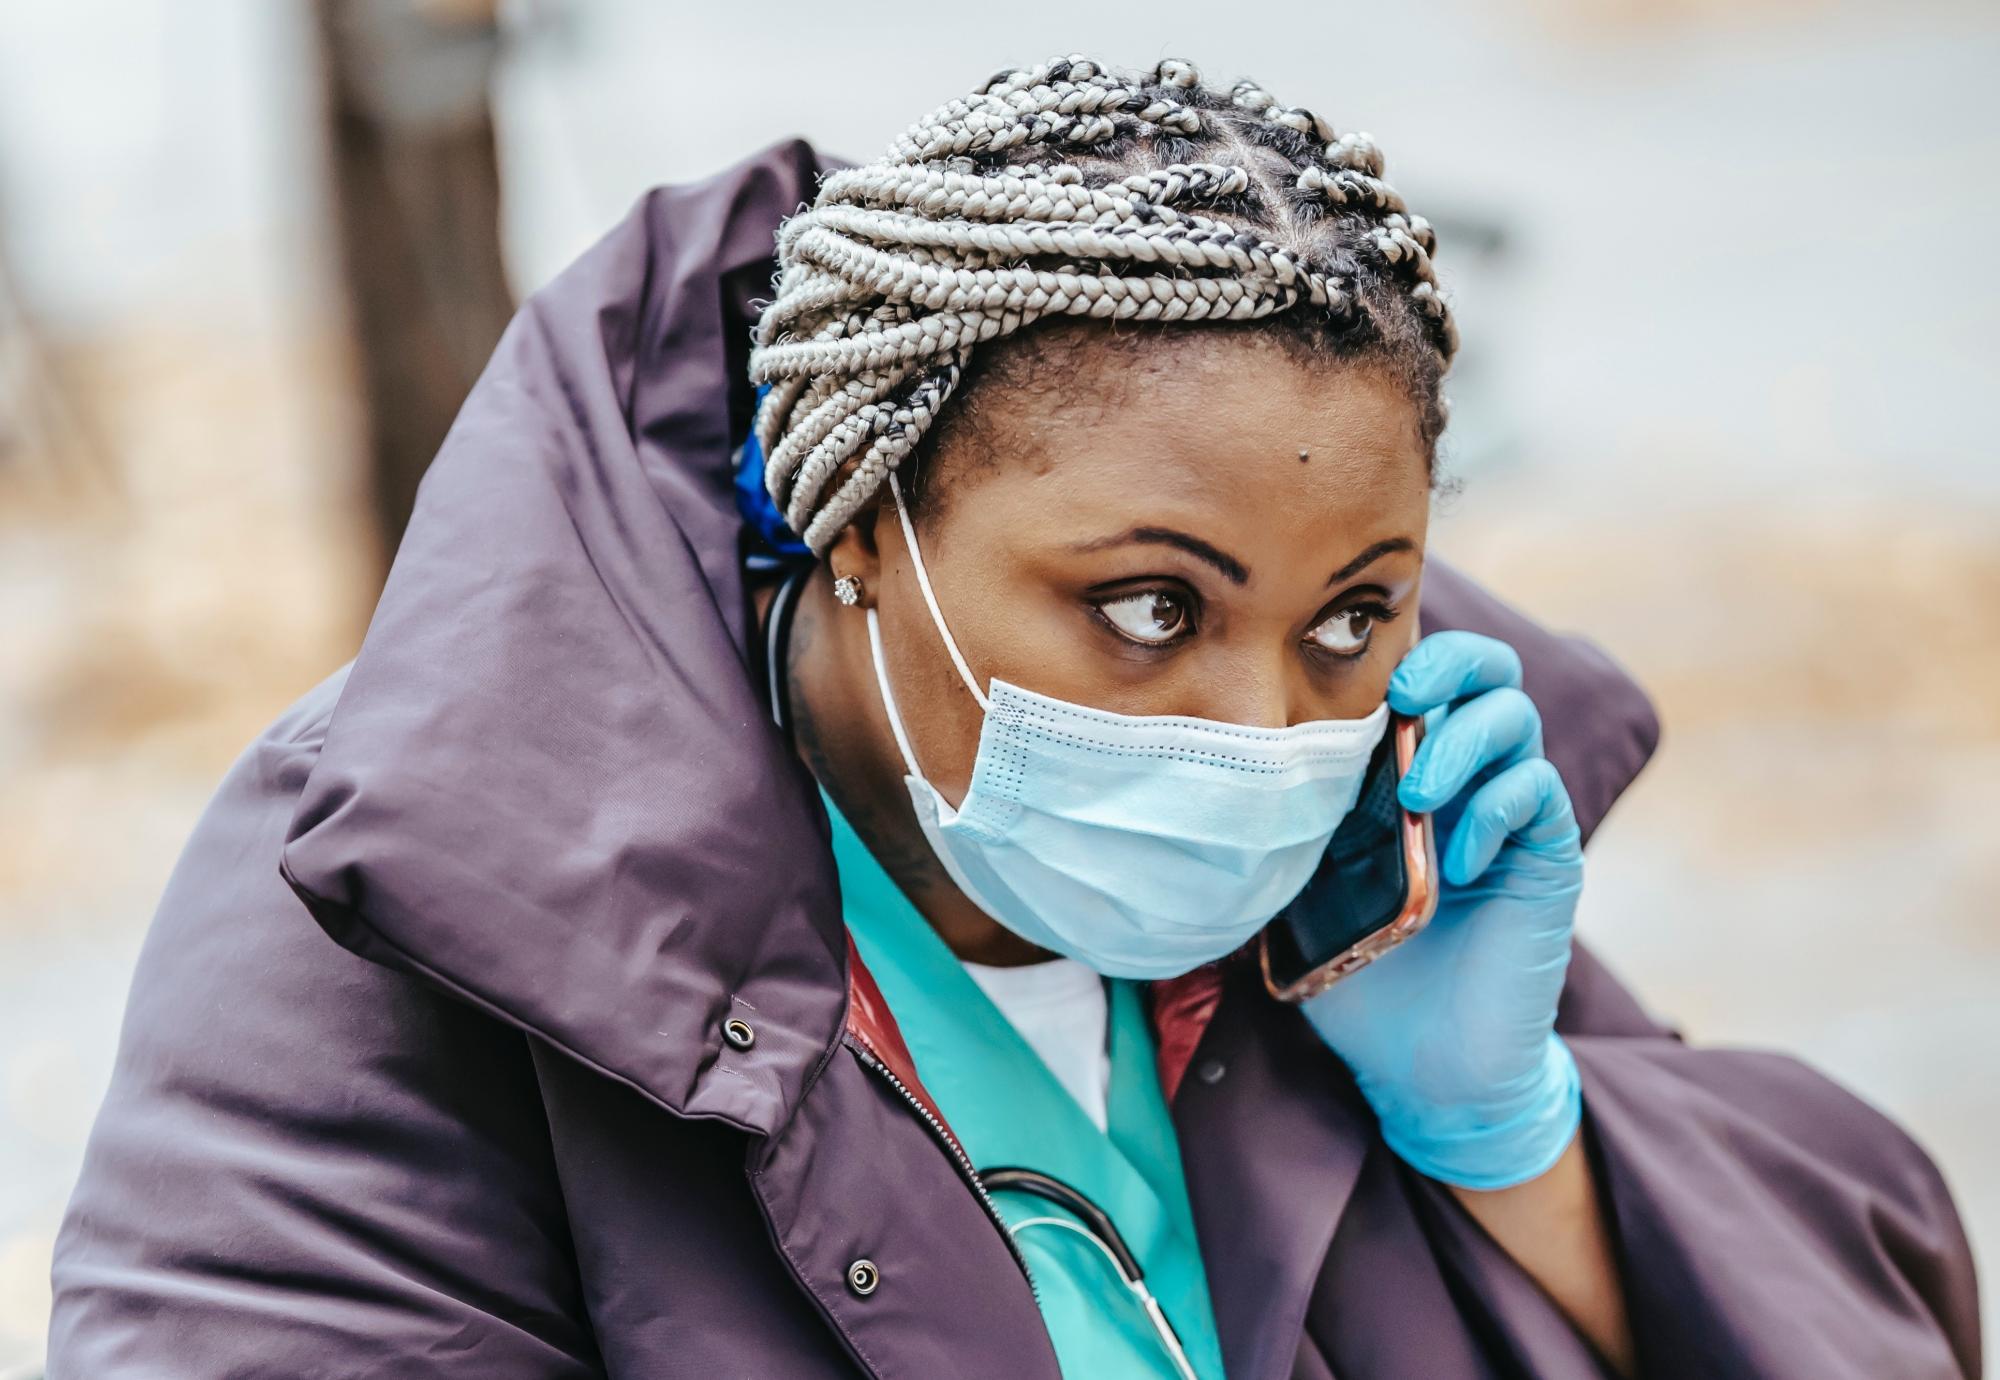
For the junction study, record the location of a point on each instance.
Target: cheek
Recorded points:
(1365, 686)
(939, 713)
(951, 744)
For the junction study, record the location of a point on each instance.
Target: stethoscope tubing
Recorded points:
(1094, 1225)
(1054, 1190)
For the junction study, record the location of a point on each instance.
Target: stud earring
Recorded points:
(847, 589)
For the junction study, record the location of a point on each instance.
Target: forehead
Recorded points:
(1234, 437)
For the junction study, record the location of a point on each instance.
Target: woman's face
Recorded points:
(1214, 530)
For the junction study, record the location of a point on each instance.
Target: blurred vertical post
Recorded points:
(416, 193)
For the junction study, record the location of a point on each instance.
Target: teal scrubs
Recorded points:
(1007, 1109)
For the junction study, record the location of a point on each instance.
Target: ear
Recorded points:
(857, 552)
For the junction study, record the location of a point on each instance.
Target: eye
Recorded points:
(1150, 617)
(1346, 632)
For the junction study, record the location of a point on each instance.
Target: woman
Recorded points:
(1099, 399)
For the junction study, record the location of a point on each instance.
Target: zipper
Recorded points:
(959, 1157)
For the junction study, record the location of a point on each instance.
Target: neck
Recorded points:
(842, 733)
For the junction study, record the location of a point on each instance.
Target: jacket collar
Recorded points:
(550, 786)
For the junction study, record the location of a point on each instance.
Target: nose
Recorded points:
(1259, 695)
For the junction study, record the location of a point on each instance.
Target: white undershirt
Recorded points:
(1061, 1010)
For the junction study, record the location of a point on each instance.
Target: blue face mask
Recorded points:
(1141, 846)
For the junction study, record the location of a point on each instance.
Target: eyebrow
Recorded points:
(1370, 556)
(1232, 569)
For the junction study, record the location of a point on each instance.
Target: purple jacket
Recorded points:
(481, 1120)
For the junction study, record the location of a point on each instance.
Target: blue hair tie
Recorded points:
(776, 543)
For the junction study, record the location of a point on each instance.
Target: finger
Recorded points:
(1527, 801)
(1449, 666)
(1498, 729)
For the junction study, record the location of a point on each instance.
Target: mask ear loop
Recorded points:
(888, 699)
(930, 599)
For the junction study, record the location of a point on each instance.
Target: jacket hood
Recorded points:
(550, 785)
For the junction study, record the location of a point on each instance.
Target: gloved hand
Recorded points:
(1451, 1035)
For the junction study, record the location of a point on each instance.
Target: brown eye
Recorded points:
(1151, 617)
(1344, 634)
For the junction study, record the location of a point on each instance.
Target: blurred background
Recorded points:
(1726, 271)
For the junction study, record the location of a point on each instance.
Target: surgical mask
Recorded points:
(1141, 846)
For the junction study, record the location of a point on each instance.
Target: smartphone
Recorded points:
(1376, 884)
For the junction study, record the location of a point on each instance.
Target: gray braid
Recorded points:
(1020, 203)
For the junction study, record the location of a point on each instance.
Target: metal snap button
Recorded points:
(1211, 1071)
(862, 1277)
(737, 1031)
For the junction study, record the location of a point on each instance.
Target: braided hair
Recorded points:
(1069, 191)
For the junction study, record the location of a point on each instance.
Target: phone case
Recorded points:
(1419, 843)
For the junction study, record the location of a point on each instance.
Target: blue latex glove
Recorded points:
(1451, 1036)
